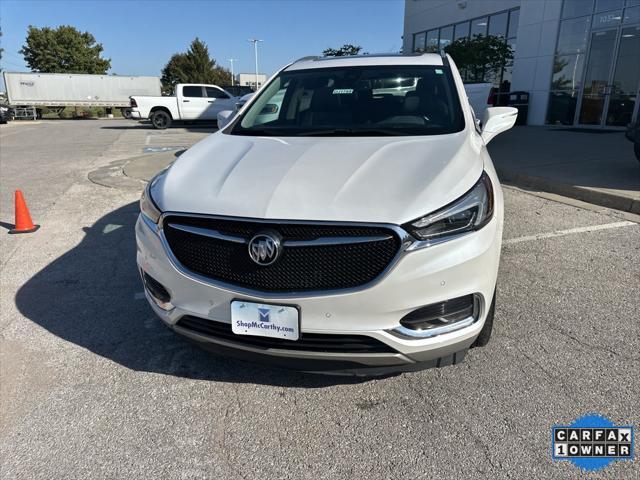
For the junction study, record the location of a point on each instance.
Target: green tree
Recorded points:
(481, 58)
(63, 50)
(345, 50)
(194, 66)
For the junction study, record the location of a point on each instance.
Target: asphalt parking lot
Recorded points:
(93, 386)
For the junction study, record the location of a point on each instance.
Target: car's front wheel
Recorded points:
(160, 119)
(485, 333)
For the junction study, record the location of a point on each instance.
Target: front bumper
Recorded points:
(462, 266)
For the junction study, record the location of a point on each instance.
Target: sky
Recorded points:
(141, 35)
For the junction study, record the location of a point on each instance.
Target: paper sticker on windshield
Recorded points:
(438, 71)
(342, 91)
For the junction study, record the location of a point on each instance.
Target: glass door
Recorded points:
(623, 96)
(597, 78)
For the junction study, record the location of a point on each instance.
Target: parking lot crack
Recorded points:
(588, 345)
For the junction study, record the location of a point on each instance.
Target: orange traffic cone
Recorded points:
(24, 224)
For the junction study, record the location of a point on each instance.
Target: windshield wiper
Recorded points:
(352, 132)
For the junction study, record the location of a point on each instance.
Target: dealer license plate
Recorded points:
(277, 321)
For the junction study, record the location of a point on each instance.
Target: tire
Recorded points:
(636, 150)
(485, 333)
(126, 113)
(160, 119)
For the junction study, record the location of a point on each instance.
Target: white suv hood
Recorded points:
(362, 179)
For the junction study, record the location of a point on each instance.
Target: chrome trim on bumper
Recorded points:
(407, 333)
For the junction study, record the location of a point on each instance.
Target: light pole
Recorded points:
(255, 53)
(232, 74)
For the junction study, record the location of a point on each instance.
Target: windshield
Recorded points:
(345, 101)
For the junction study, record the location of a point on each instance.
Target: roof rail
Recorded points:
(445, 60)
(308, 57)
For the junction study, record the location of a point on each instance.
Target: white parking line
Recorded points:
(570, 231)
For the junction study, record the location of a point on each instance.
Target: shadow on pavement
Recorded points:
(573, 157)
(88, 297)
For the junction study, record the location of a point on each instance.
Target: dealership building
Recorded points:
(579, 60)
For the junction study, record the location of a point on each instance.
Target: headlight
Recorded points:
(470, 212)
(147, 206)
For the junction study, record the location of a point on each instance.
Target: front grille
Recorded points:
(298, 269)
(309, 342)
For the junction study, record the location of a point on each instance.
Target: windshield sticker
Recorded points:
(342, 91)
(438, 71)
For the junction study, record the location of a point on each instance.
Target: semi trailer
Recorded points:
(30, 92)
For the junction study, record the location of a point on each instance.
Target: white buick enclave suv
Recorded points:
(348, 219)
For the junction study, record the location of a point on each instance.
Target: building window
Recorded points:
(446, 36)
(479, 26)
(510, 21)
(498, 24)
(418, 42)
(600, 74)
(632, 15)
(461, 30)
(502, 24)
(562, 107)
(432, 41)
(604, 5)
(576, 8)
(514, 19)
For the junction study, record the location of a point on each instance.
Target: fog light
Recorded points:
(439, 318)
(157, 292)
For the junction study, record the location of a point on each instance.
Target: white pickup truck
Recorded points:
(191, 102)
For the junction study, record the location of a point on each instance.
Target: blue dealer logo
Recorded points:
(264, 314)
(592, 442)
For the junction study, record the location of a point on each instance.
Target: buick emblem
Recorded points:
(265, 248)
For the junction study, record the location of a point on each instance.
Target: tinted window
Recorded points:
(573, 36)
(351, 101)
(567, 72)
(632, 15)
(603, 5)
(432, 41)
(479, 26)
(514, 19)
(418, 42)
(498, 24)
(446, 36)
(215, 93)
(192, 91)
(576, 8)
(461, 30)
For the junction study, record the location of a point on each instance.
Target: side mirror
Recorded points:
(497, 120)
(224, 117)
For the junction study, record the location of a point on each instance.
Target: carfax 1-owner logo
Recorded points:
(592, 442)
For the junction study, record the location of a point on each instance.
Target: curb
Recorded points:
(597, 197)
